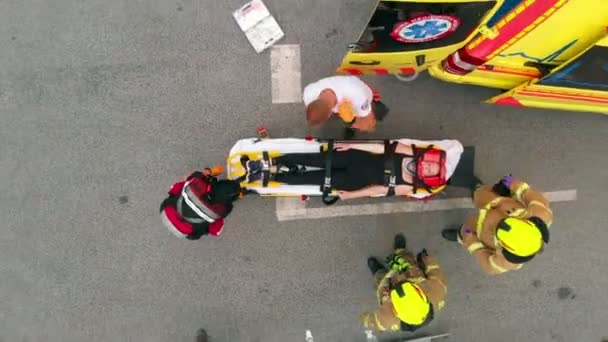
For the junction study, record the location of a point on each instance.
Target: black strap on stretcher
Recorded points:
(266, 173)
(326, 188)
(417, 184)
(390, 166)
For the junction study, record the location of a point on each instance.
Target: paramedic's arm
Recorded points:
(403, 190)
(374, 190)
(365, 123)
(374, 148)
(404, 149)
(534, 200)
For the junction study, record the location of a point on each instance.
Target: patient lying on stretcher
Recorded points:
(360, 169)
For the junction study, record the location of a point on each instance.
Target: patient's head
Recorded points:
(429, 169)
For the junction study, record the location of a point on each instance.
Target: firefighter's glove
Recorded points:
(420, 258)
(397, 263)
(502, 188)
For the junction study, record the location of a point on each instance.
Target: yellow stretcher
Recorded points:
(543, 53)
(255, 148)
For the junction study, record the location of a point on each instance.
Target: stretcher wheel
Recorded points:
(407, 77)
(330, 199)
(355, 47)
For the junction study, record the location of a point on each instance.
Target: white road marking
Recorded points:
(561, 196)
(292, 208)
(286, 74)
(289, 204)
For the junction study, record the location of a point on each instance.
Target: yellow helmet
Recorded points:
(410, 304)
(521, 239)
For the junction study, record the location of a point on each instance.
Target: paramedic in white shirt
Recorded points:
(346, 96)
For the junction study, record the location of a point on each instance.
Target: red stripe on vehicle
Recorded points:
(353, 71)
(407, 71)
(508, 101)
(513, 27)
(381, 71)
(564, 96)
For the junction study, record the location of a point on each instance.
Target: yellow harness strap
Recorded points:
(445, 288)
(432, 267)
(519, 192)
(500, 269)
(475, 246)
(480, 219)
(429, 268)
(542, 205)
(521, 212)
(440, 304)
(380, 327)
(384, 281)
(417, 280)
(365, 320)
(483, 213)
(383, 284)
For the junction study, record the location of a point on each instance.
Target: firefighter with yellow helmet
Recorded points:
(510, 228)
(409, 290)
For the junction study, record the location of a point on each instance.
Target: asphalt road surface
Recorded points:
(104, 104)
